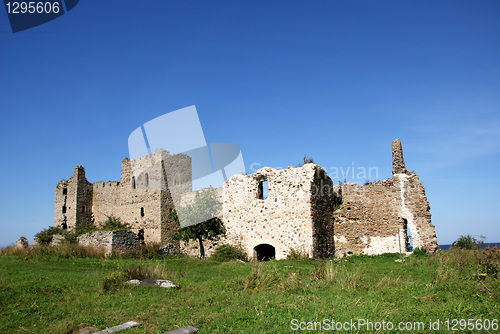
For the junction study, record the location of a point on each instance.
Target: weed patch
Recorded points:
(228, 253)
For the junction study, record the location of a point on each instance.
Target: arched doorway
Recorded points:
(264, 252)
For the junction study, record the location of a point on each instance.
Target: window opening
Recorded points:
(409, 243)
(263, 189)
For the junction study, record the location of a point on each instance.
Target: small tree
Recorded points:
(467, 242)
(194, 216)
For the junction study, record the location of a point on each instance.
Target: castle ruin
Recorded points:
(268, 213)
(140, 199)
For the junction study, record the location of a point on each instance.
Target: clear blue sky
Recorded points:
(337, 80)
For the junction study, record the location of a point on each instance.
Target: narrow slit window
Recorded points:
(142, 212)
(409, 243)
(263, 189)
(133, 182)
(65, 191)
(146, 179)
(64, 209)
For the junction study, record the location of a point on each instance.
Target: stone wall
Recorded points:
(142, 198)
(72, 200)
(110, 241)
(284, 219)
(369, 220)
(415, 212)
(379, 217)
(22, 242)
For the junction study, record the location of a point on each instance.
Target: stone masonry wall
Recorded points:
(72, 200)
(369, 220)
(379, 217)
(141, 199)
(100, 239)
(415, 212)
(110, 241)
(283, 220)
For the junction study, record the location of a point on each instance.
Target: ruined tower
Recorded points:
(388, 216)
(142, 198)
(398, 163)
(72, 200)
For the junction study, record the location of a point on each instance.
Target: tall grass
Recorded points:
(65, 250)
(338, 274)
(260, 279)
(71, 250)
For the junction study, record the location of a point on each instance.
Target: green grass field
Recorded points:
(61, 294)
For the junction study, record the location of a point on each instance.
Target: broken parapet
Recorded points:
(398, 162)
(110, 241)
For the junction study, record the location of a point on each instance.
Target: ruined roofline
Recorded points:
(155, 153)
(270, 170)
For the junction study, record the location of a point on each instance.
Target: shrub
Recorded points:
(228, 253)
(83, 227)
(466, 242)
(44, 237)
(113, 282)
(418, 252)
(113, 223)
(297, 255)
(489, 262)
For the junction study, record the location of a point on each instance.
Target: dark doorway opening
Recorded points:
(264, 252)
